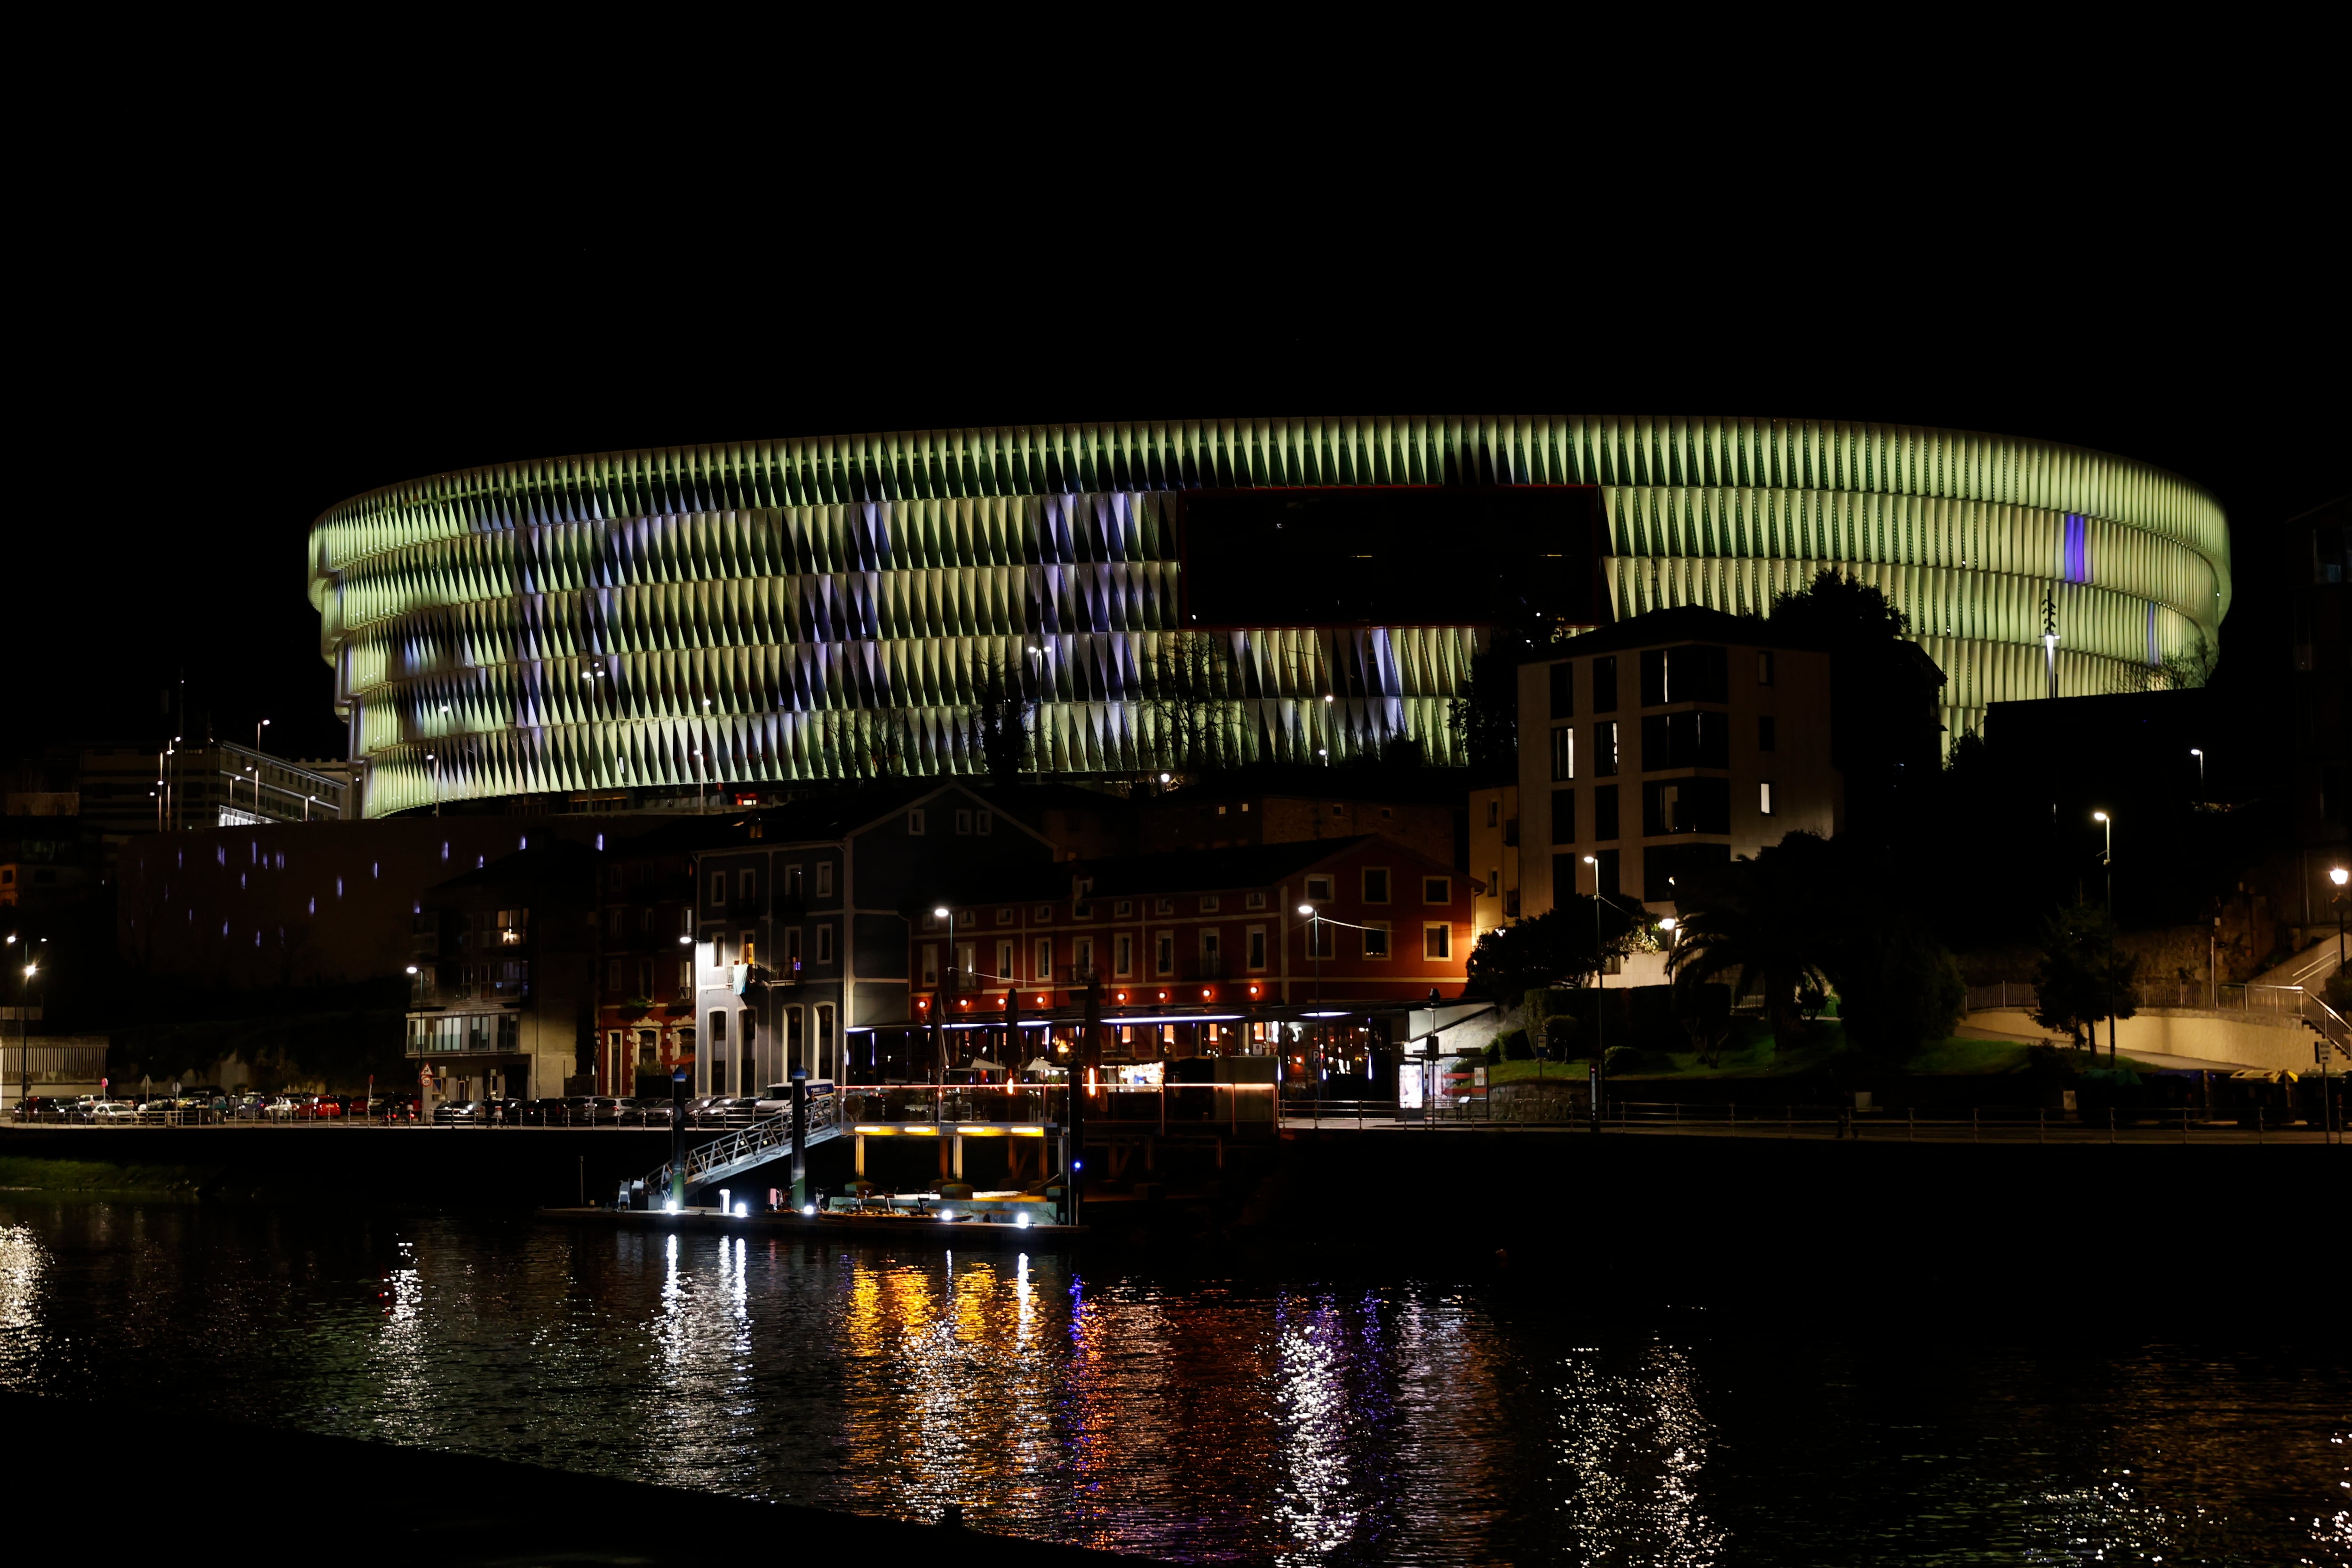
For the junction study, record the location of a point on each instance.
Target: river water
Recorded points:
(1261, 1418)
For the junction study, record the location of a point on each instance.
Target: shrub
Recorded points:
(1559, 1032)
(1513, 1043)
(1634, 1058)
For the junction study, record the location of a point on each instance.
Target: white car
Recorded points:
(113, 1111)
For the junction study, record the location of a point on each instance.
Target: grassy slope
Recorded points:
(1953, 1058)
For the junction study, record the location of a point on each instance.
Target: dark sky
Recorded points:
(205, 382)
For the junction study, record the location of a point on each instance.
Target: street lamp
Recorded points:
(1315, 950)
(2339, 875)
(24, 1017)
(2107, 861)
(947, 1005)
(2108, 856)
(258, 729)
(2198, 754)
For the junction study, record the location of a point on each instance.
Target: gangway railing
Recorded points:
(724, 1158)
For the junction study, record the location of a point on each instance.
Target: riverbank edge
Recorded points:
(431, 1505)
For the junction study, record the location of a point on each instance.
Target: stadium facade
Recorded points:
(644, 623)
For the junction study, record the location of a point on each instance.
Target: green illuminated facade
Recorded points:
(828, 606)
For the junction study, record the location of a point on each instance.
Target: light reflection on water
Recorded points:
(1198, 1419)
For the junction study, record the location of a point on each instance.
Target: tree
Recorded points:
(2082, 978)
(1553, 948)
(1899, 988)
(1485, 718)
(1190, 699)
(1770, 923)
(1885, 735)
(998, 723)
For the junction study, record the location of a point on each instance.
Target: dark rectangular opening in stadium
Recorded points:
(1439, 556)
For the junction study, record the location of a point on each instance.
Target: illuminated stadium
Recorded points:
(637, 625)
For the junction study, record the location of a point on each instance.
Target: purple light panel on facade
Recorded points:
(2075, 565)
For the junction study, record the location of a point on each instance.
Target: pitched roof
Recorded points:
(1185, 871)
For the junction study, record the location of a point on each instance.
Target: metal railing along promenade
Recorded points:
(1988, 1124)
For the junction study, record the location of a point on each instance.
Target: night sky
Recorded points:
(226, 394)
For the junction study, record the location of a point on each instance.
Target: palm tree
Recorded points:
(1763, 922)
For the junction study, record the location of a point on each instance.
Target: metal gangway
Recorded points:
(724, 1159)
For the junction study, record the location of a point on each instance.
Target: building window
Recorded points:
(1212, 953)
(1563, 753)
(1437, 889)
(1767, 732)
(1319, 936)
(1437, 940)
(718, 889)
(1082, 959)
(824, 879)
(1004, 917)
(792, 881)
(1123, 955)
(1163, 906)
(963, 821)
(1124, 906)
(1042, 955)
(1763, 667)
(967, 961)
(1045, 912)
(685, 978)
(1376, 940)
(1163, 952)
(747, 886)
(1254, 948)
(750, 953)
(1254, 900)
(1604, 749)
(1604, 684)
(1604, 814)
(1376, 884)
(1318, 890)
(1764, 796)
(984, 823)
(1563, 690)
(824, 943)
(1208, 903)
(1563, 816)
(930, 963)
(915, 823)
(791, 950)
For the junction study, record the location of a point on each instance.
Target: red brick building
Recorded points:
(1204, 952)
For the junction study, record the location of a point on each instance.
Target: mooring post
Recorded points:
(800, 1138)
(678, 1136)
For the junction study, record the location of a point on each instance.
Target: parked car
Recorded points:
(594, 1110)
(194, 1111)
(112, 1111)
(461, 1112)
(42, 1108)
(388, 1108)
(644, 1112)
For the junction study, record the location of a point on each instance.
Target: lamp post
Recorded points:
(264, 724)
(2108, 864)
(2339, 875)
(947, 1005)
(1315, 951)
(2198, 753)
(25, 1015)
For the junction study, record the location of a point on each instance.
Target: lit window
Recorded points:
(1764, 797)
(1437, 941)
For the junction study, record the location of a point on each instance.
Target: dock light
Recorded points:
(1163, 778)
(742, 1211)
(808, 1210)
(670, 1207)
(1021, 1221)
(1668, 923)
(725, 1207)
